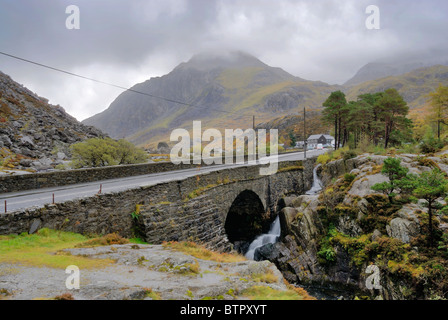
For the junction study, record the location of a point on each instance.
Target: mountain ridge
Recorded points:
(230, 89)
(226, 90)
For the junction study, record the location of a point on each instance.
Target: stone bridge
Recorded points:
(221, 209)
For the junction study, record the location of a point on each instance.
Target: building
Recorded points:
(300, 144)
(316, 139)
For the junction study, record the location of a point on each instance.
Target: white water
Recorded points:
(274, 231)
(261, 240)
(317, 184)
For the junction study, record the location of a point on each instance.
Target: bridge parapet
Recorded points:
(194, 208)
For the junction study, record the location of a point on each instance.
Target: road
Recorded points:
(40, 197)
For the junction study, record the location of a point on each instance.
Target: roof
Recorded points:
(317, 136)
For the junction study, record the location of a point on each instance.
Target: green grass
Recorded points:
(44, 249)
(267, 293)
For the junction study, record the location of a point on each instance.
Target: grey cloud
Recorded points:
(128, 41)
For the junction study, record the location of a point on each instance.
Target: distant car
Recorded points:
(320, 146)
(310, 148)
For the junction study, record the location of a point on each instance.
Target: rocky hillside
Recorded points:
(33, 133)
(393, 67)
(329, 240)
(227, 90)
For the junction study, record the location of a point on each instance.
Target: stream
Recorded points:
(321, 293)
(274, 231)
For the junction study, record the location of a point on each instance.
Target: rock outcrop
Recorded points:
(143, 272)
(329, 240)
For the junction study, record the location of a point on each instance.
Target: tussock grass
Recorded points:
(267, 293)
(201, 252)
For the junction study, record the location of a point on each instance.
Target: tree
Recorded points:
(396, 173)
(334, 112)
(430, 186)
(392, 112)
(372, 118)
(127, 153)
(438, 101)
(292, 139)
(99, 152)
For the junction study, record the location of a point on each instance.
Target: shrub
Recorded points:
(396, 173)
(349, 154)
(323, 158)
(431, 145)
(99, 152)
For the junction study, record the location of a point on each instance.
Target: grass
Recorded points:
(291, 168)
(267, 293)
(43, 249)
(266, 277)
(106, 240)
(150, 293)
(197, 192)
(203, 253)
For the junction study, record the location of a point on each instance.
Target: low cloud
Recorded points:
(126, 42)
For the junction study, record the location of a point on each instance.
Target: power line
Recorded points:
(116, 86)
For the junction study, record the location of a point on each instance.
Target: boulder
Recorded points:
(61, 156)
(6, 140)
(403, 229)
(27, 142)
(363, 186)
(375, 235)
(25, 162)
(287, 216)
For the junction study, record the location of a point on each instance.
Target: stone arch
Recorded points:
(246, 219)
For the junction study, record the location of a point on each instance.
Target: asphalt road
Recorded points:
(40, 197)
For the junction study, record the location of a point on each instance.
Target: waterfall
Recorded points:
(261, 240)
(317, 184)
(274, 231)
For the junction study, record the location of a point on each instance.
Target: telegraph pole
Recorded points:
(304, 133)
(255, 139)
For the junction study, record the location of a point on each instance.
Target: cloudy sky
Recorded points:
(128, 41)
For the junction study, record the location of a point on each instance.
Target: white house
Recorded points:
(316, 139)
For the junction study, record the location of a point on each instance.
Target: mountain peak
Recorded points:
(222, 59)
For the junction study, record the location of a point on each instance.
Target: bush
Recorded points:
(431, 145)
(349, 154)
(98, 152)
(323, 158)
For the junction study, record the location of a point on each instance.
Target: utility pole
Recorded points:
(255, 138)
(304, 133)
